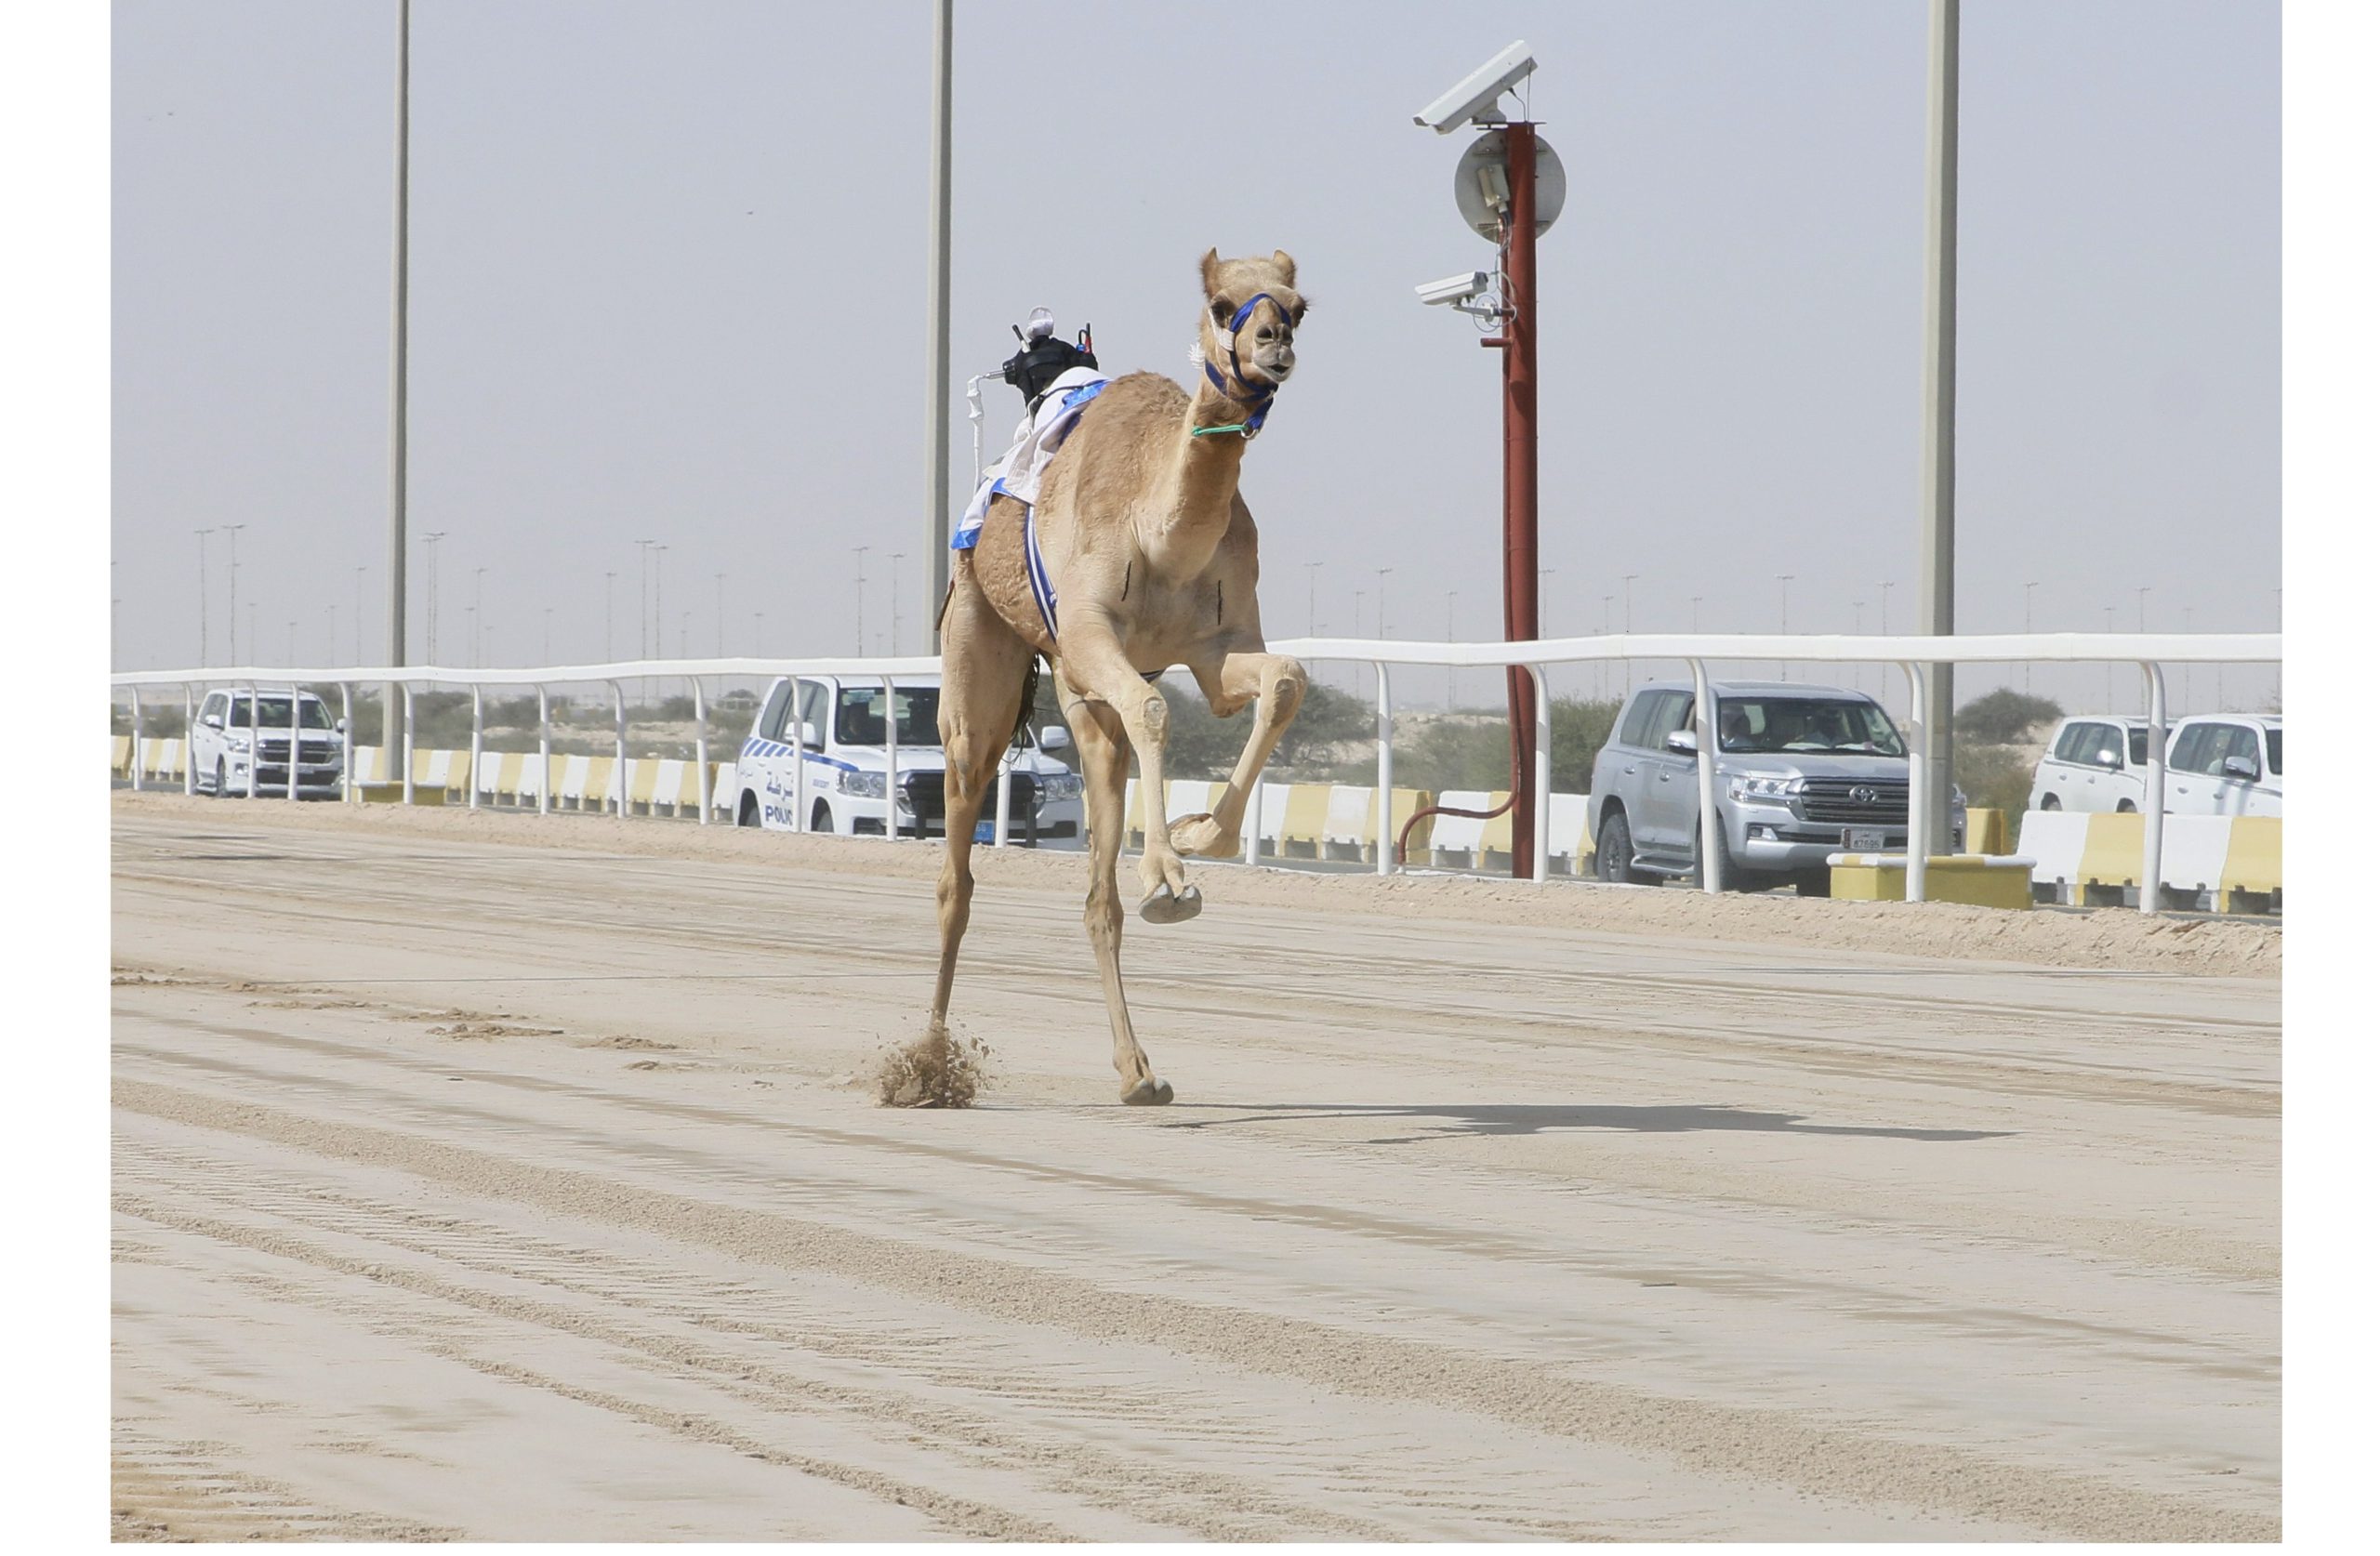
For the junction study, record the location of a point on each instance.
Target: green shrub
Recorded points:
(2003, 717)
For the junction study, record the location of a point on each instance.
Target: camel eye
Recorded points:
(1222, 308)
(1297, 316)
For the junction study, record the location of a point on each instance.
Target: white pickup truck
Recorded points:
(814, 762)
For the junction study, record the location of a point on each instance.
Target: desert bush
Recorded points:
(2001, 718)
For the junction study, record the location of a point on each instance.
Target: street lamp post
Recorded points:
(1784, 613)
(896, 600)
(1383, 572)
(232, 617)
(1309, 617)
(608, 577)
(2030, 585)
(201, 595)
(1451, 594)
(430, 541)
(859, 602)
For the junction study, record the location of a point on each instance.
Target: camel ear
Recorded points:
(1208, 269)
(1288, 267)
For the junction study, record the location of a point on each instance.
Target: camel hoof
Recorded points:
(1201, 836)
(1161, 906)
(1150, 1093)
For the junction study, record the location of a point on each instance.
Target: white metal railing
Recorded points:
(1916, 655)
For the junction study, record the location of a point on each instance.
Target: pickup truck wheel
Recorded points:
(1616, 853)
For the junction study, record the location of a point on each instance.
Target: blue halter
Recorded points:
(1257, 397)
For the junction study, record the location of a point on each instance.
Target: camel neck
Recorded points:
(1206, 479)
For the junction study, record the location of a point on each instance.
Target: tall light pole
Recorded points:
(896, 600)
(608, 577)
(1784, 613)
(359, 614)
(1937, 535)
(479, 613)
(1309, 617)
(1451, 594)
(643, 595)
(859, 600)
(718, 612)
(937, 494)
(1627, 627)
(1381, 573)
(232, 617)
(201, 594)
(2030, 585)
(397, 332)
(430, 540)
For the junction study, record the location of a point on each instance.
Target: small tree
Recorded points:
(2001, 718)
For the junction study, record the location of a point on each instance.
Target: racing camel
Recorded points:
(1138, 556)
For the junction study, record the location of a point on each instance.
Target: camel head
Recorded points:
(1253, 308)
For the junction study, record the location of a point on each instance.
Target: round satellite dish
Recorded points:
(1485, 157)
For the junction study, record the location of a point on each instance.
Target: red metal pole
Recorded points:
(1520, 473)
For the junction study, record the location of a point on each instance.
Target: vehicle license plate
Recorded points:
(984, 831)
(1863, 839)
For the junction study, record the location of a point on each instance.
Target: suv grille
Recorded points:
(1854, 801)
(923, 792)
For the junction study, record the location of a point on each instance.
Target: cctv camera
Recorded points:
(1454, 288)
(1474, 102)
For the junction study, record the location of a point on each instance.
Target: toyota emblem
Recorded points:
(1865, 794)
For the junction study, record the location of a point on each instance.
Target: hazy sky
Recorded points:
(669, 282)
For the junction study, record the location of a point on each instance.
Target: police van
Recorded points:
(815, 762)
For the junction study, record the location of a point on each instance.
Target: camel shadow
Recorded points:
(1479, 1120)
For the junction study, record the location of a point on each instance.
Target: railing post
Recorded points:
(346, 743)
(1251, 821)
(296, 742)
(1000, 802)
(619, 751)
(702, 754)
(2152, 807)
(545, 753)
(1541, 818)
(1384, 843)
(190, 723)
(256, 738)
(1921, 778)
(406, 754)
(136, 740)
(1706, 774)
(891, 764)
(478, 725)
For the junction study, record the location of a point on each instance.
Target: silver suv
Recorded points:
(1803, 771)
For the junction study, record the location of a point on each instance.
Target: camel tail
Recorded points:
(1023, 734)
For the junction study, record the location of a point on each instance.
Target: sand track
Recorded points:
(477, 1176)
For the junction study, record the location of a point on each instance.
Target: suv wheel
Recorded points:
(1731, 874)
(750, 813)
(2049, 802)
(820, 818)
(222, 785)
(1616, 853)
(2125, 807)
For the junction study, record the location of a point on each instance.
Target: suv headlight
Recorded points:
(1063, 786)
(236, 739)
(866, 786)
(1763, 789)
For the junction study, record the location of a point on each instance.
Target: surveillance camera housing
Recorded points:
(1454, 288)
(1474, 100)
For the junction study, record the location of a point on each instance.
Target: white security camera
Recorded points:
(1454, 288)
(1474, 100)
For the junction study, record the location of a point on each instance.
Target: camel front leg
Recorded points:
(1099, 739)
(1095, 666)
(1277, 684)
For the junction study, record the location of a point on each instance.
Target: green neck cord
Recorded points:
(1204, 431)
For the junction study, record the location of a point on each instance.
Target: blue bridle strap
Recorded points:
(1257, 398)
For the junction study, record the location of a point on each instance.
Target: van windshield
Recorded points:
(273, 714)
(1806, 724)
(859, 716)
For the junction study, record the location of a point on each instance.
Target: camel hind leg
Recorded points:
(984, 669)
